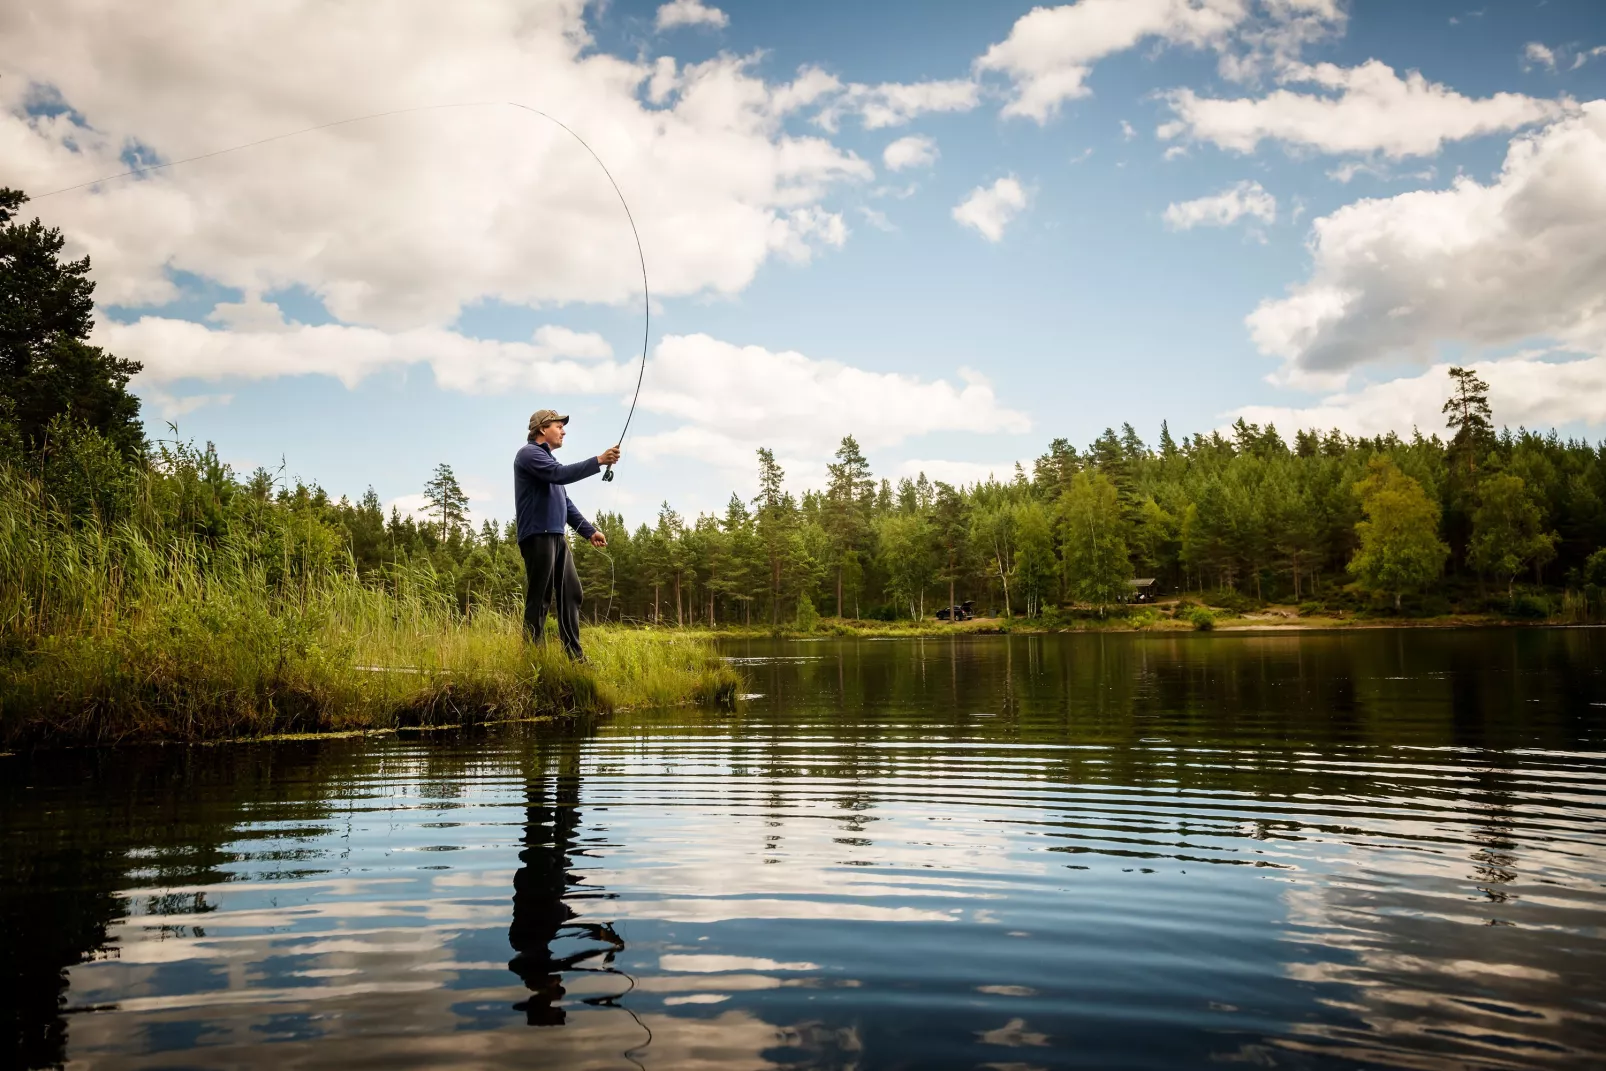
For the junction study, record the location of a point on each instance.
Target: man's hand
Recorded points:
(610, 456)
(597, 538)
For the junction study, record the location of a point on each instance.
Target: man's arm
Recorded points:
(543, 466)
(578, 522)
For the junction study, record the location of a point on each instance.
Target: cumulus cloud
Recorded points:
(557, 360)
(1050, 51)
(400, 221)
(896, 103)
(989, 209)
(1223, 209)
(1536, 53)
(734, 399)
(690, 13)
(1365, 109)
(1523, 257)
(912, 151)
(1522, 391)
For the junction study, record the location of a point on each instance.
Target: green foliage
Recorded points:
(1400, 550)
(1200, 617)
(1508, 529)
(162, 624)
(808, 618)
(1097, 566)
(48, 370)
(1035, 565)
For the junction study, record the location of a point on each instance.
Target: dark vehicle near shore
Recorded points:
(963, 612)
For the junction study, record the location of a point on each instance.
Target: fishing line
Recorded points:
(641, 255)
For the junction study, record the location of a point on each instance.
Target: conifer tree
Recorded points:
(446, 499)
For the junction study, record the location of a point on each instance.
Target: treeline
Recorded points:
(1510, 522)
(1507, 522)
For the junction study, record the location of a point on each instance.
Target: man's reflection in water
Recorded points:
(546, 939)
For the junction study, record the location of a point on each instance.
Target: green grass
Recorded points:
(120, 632)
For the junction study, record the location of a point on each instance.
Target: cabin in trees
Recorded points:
(1143, 590)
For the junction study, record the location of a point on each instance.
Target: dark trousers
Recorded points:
(549, 567)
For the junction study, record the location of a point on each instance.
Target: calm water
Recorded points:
(1379, 849)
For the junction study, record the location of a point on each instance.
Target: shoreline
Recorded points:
(83, 691)
(1239, 623)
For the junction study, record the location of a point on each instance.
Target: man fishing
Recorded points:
(543, 508)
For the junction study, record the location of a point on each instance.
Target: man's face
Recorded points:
(553, 434)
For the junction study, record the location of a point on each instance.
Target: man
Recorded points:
(543, 508)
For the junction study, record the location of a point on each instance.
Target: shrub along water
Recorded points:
(128, 619)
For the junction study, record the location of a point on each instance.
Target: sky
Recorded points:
(955, 231)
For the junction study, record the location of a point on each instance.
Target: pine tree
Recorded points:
(47, 367)
(446, 500)
(848, 496)
(1467, 411)
(774, 509)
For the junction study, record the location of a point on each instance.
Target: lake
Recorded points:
(1318, 850)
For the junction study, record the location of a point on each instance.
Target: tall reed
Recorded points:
(134, 627)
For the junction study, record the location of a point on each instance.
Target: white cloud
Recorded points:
(1365, 109)
(734, 399)
(401, 221)
(1537, 54)
(912, 151)
(1521, 258)
(182, 349)
(690, 13)
(990, 208)
(896, 103)
(172, 407)
(1127, 133)
(1050, 51)
(1223, 209)
(1522, 391)
(877, 219)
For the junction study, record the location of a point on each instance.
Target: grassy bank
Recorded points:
(131, 631)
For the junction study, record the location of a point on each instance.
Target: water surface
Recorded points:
(1303, 851)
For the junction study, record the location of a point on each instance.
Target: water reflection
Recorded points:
(543, 919)
(1319, 851)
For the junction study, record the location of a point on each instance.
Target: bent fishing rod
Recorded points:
(646, 294)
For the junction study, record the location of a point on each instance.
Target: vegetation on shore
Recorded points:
(143, 628)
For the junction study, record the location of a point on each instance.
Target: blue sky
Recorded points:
(1151, 173)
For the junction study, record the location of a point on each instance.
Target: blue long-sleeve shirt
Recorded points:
(539, 501)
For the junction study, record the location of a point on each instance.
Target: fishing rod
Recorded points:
(641, 255)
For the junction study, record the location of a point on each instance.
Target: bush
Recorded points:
(1310, 609)
(808, 618)
(1200, 618)
(1235, 602)
(1527, 607)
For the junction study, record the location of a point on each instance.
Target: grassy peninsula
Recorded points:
(153, 623)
